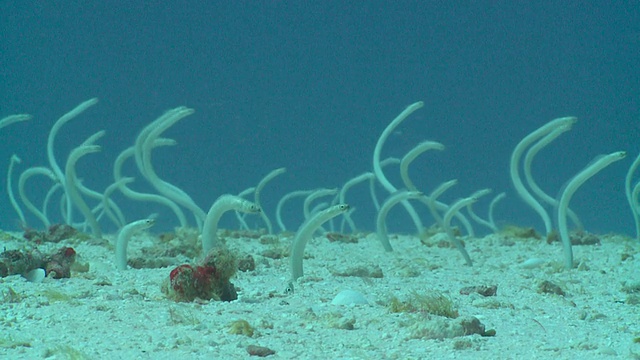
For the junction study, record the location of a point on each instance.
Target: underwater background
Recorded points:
(310, 85)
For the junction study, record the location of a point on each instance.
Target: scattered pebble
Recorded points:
(262, 351)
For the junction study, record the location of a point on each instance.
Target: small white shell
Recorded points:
(349, 297)
(35, 275)
(532, 263)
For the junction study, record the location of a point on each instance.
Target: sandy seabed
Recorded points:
(539, 311)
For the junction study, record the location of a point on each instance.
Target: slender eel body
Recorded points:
(306, 231)
(123, 240)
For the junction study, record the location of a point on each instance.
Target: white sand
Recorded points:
(124, 315)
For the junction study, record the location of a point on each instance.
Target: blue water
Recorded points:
(310, 86)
